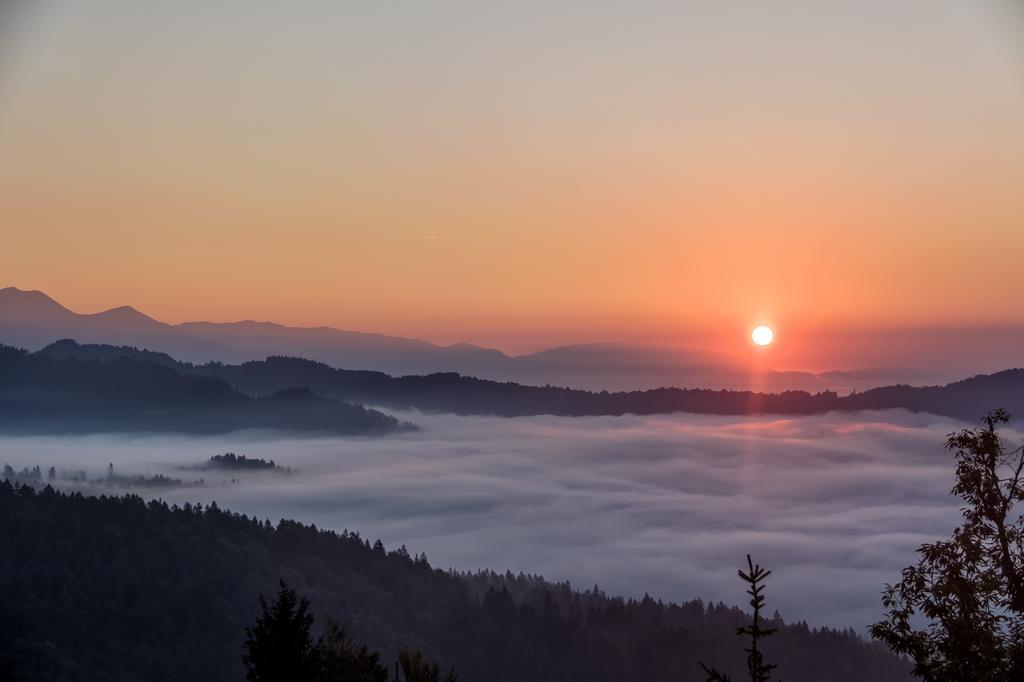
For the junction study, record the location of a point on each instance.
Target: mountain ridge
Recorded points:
(32, 320)
(450, 392)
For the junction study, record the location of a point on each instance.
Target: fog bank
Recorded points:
(669, 505)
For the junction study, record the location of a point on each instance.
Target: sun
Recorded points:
(762, 335)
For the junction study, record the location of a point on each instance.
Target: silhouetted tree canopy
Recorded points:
(339, 659)
(231, 461)
(968, 590)
(279, 646)
(416, 668)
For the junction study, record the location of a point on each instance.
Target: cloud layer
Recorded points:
(669, 505)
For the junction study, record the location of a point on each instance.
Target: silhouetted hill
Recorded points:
(114, 588)
(54, 391)
(69, 348)
(958, 399)
(450, 392)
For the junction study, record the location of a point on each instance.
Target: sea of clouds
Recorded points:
(668, 505)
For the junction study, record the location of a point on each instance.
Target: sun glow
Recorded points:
(762, 335)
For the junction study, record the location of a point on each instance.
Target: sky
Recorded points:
(835, 505)
(519, 174)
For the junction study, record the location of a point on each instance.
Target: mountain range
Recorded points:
(33, 320)
(79, 377)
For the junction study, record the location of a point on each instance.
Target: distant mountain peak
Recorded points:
(125, 311)
(127, 315)
(15, 291)
(28, 297)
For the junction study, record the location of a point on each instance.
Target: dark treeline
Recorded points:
(46, 392)
(450, 392)
(232, 462)
(115, 588)
(36, 477)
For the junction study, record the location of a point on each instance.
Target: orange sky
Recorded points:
(520, 177)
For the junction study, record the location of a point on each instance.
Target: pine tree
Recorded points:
(279, 647)
(758, 670)
(416, 668)
(340, 660)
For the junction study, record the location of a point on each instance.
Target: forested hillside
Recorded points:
(115, 588)
(120, 391)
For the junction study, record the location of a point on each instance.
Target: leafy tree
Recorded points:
(416, 668)
(340, 660)
(970, 588)
(278, 647)
(758, 670)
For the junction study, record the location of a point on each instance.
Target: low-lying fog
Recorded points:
(834, 504)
